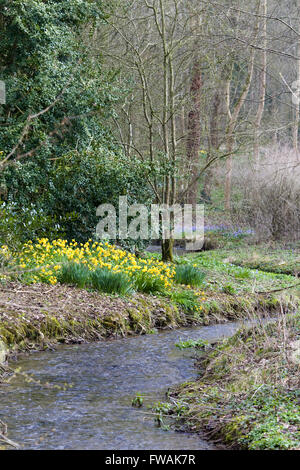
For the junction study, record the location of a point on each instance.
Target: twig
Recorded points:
(278, 290)
(5, 439)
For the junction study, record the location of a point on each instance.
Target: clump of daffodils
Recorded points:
(43, 260)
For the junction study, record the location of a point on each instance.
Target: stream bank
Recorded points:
(39, 317)
(248, 392)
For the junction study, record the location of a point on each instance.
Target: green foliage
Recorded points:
(273, 416)
(76, 274)
(164, 410)
(186, 299)
(148, 284)
(190, 343)
(189, 275)
(229, 289)
(46, 65)
(81, 181)
(43, 56)
(110, 282)
(138, 401)
(20, 224)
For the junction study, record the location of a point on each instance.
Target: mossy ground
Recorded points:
(38, 317)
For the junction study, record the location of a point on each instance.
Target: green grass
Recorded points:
(187, 300)
(270, 259)
(75, 274)
(110, 282)
(148, 284)
(189, 275)
(221, 273)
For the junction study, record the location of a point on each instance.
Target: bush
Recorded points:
(189, 275)
(110, 282)
(20, 224)
(81, 181)
(76, 274)
(270, 197)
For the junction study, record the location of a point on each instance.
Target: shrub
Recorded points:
(270, 197)
(189, 275)
(19, 224)
(76, 274)
(81, 181)
(104, 280)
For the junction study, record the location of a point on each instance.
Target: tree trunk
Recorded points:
(214, 144)
(194, 132)
(233, 117)
(167, 250)
(262, 82)
(297, 111)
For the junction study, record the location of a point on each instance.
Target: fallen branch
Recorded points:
(278, 290)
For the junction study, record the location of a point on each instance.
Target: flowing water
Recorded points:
(96, 413)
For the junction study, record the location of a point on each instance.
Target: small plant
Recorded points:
(138, 401)
(243, 274)
(190, 343)
(188, 300)
(143, 282)
(76, 274)
(162, 410)
(229, 289)
(189, 275)
(110, 282)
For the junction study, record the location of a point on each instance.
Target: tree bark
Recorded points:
(167, 250)
(262, 84)
(194, 131)
(214, 144)
(297, 111)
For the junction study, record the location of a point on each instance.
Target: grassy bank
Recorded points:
(59, 296)
(60, 291)
(248, 391)
(247, 395)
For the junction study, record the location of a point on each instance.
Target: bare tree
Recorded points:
(262, 82)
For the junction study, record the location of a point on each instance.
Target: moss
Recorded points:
(139, 322)
(115, 324)
(233, 431)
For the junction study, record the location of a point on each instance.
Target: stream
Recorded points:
(96, 413)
